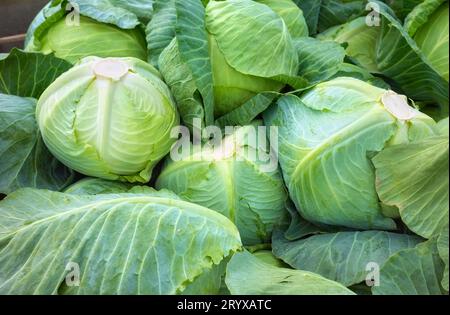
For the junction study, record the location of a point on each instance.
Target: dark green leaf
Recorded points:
(29, 74)
(342, 256)
(249, 275)
(123, 244)
(24, 159)
(413, 271)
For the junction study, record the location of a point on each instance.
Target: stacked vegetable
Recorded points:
(358, 95)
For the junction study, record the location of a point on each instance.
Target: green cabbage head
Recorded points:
(327, 138)
(90, 38)
(235, 182)
(109, 118)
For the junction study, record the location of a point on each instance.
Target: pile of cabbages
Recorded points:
(227, 147)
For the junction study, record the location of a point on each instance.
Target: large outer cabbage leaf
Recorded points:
(432, 36)
(233, 184)
(326, 137)
(29, 74)
(112, 128)
(343, 256)
(24, 159)
(323, 14)
(414, 178)
(153, 243)
(248, 275)
(413, 271)
(106, 28)
(192, 41)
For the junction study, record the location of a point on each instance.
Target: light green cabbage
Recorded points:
(109, 118)
(248, 275)
(432, 35)
(238, 77)
(232, 183)
(146, 243)
(90, 38)
(327, 137)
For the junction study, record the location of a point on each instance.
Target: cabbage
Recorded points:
(154, 243)
(91, 38)
(247, 190)
(350, 195)
(327, 137)
(108, 118)
(262, 278)
(232, 88)
(95, 28)
(203, 63)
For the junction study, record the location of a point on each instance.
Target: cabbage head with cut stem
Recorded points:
(327, 139)
(239, 179)
(109, 118)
